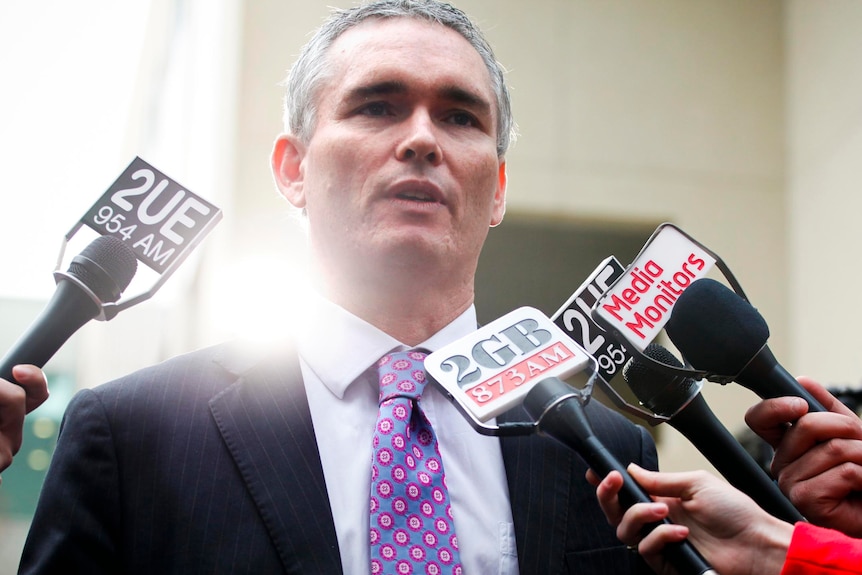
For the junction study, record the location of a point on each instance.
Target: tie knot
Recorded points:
(402, 374)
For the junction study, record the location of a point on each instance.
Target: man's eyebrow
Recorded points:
(379, 89)
(452, 93)
(465, 97)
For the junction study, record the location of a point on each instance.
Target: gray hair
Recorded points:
(311, 69)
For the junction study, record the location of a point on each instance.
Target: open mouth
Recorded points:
(416, 196)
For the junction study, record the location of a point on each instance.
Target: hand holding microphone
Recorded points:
(818, 456)
(17, 399)
(732, 532)
(98, 274)
(818, 443)
(96, 278)
(680, 400)
(559, 414)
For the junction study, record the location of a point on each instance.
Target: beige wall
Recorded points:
(824, 191)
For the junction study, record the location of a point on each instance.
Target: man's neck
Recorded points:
(410, 313)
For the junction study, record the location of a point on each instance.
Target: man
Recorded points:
(227, 461)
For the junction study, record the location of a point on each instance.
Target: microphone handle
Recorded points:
(567, 423)
(701, 427)
(69, 308)
(767, 378)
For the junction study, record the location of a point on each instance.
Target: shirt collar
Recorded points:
(339, 346)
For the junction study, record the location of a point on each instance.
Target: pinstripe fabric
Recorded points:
(207, 464)
(187, 468)
(281, 466)
(559, 526)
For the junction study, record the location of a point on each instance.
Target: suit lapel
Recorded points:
(266, 424)
(539, 478)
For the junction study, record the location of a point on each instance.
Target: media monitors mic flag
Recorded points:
(638, 304)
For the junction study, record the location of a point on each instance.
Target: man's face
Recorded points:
(402, 162)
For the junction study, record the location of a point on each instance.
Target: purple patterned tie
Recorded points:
(411, 518)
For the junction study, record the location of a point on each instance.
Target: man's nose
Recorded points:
(420, 140)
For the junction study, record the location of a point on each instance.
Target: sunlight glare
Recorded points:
(261, 298)
(69, 72)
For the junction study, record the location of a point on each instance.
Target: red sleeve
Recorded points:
(822, 551)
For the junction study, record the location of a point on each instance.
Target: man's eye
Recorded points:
(463, 119)
(375, 109)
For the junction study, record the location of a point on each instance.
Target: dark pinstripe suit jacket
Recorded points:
(207, 463)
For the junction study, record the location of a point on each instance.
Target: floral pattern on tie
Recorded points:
(412, 532)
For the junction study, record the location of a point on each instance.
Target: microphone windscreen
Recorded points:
(664, 394)
(106, 266)
(715, 329)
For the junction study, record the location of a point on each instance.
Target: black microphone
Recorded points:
(559, 414)
(679, 399)
(518, 359)
(719, 332)
(98, 274)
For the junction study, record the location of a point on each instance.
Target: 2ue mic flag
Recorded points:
(161, 220)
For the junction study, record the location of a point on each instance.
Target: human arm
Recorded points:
(818, 456)
(815, 550)
(735, 535)
(17, 399)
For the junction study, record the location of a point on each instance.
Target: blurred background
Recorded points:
(739, 121)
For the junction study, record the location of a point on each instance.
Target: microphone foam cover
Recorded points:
(715, 329)
(663, 393)
(106, 266)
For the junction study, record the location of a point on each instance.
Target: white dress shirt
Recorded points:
(338, 353)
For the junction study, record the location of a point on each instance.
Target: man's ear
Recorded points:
(499, 209)
(287, 155)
